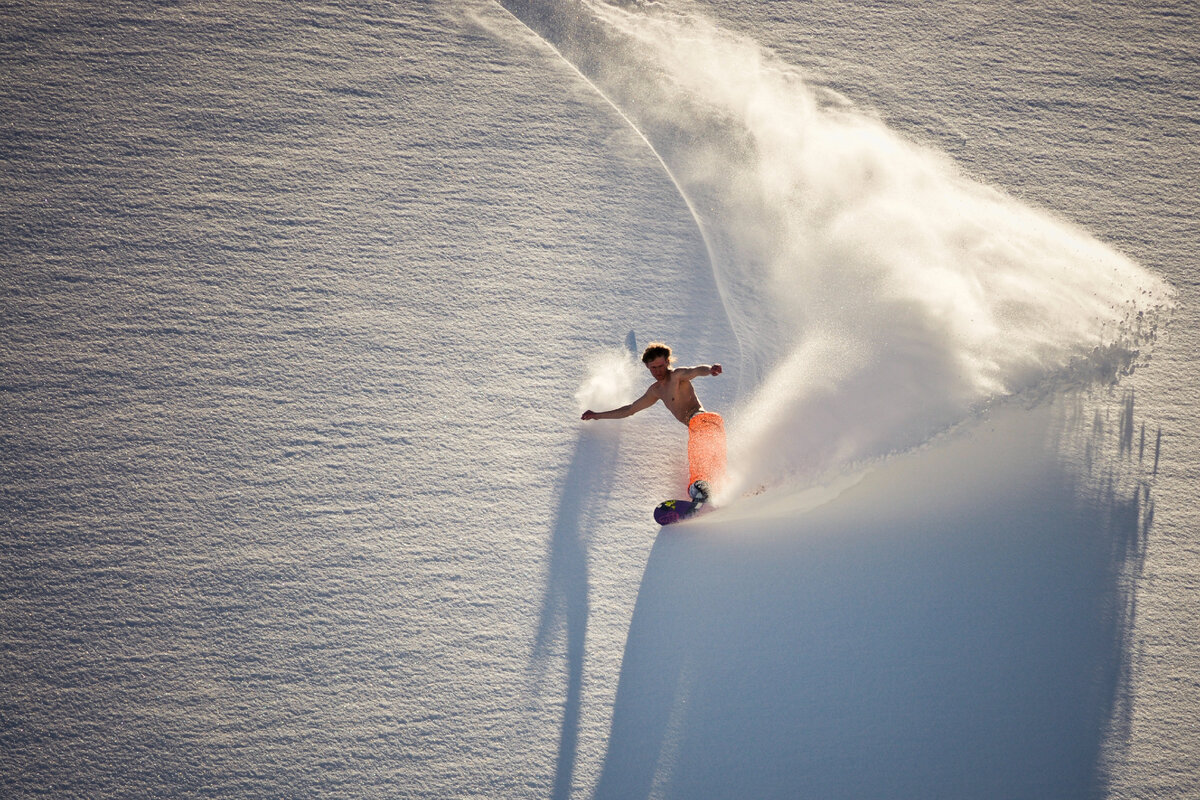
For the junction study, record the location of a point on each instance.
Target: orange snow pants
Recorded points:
(706, 448)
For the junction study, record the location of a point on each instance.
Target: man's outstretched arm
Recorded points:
(641, 404)
(687, 373)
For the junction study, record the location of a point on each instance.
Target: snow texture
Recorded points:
(301, 305)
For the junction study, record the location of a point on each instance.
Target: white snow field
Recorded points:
(302, 303)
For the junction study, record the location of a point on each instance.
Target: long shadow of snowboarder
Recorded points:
(565, 603)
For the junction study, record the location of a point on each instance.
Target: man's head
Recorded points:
(658, 359)
(657, 350)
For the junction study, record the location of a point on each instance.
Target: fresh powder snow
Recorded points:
(302, 305)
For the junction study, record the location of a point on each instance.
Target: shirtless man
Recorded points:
(706, 430)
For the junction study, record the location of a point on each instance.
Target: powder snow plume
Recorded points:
(878, 295)
(609, 383)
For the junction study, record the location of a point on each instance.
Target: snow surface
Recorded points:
(301, 305)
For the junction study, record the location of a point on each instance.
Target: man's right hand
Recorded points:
(589, 414)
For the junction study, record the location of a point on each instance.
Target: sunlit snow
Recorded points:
(302, 305)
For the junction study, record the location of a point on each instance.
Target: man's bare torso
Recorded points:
(677, 394)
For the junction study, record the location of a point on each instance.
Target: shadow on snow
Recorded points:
(565, 604)
(954, 625)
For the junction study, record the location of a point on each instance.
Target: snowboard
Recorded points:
(672, 511)
(669, 512)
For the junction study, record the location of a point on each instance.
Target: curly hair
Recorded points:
(656, 350)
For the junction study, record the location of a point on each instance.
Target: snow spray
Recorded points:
(609, 382)
(878, 295)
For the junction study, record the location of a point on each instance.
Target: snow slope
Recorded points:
(301, 304)
(881, 296)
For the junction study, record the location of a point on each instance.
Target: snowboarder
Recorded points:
(706, 429)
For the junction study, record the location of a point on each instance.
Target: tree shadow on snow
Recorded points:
(954, 625)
